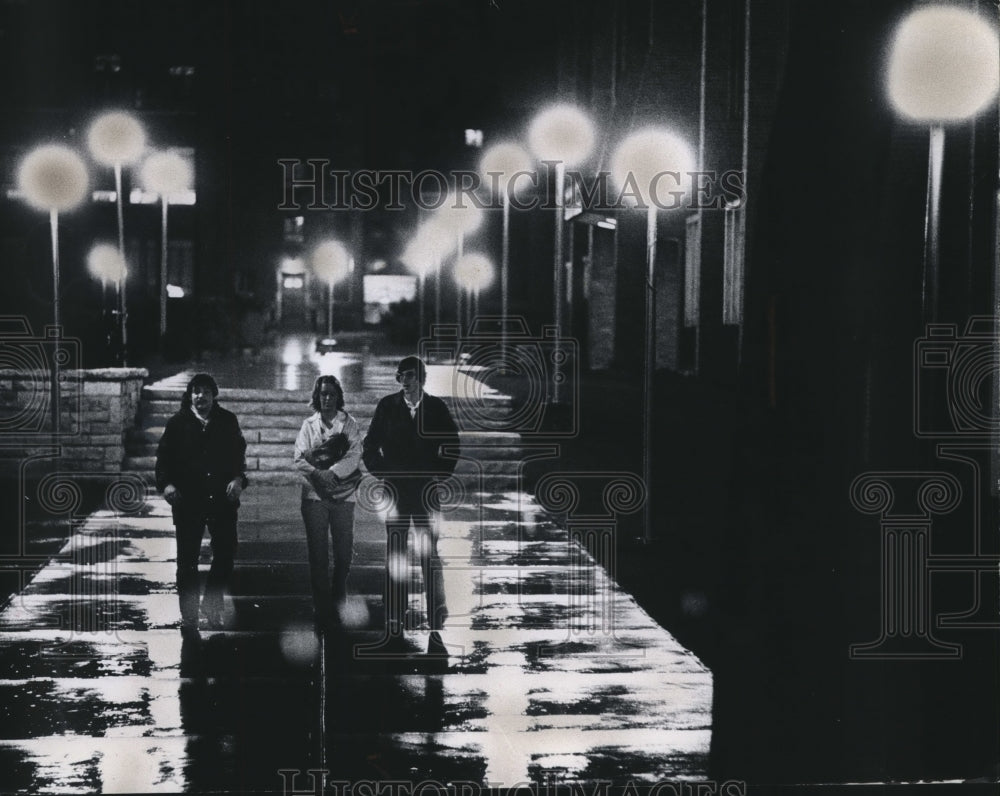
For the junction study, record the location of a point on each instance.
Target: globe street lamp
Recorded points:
(331, 262)
(167, 174)
(460, 217)
(564, 135)
(423, 255)
(501, 164)
(943, 67)
(651, 167)
(106, 263)
(53, 178)
(118, 139)
(473, 272)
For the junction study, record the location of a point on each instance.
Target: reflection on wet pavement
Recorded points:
(553, 673)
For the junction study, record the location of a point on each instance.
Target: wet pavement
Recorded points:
(553, 674)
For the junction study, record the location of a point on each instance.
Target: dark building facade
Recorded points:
(823, 486)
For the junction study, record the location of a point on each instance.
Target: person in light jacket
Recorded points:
(328, 454)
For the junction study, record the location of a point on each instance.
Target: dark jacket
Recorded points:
(201, 460)
(399, 443)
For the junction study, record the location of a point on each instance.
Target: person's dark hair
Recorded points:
(415, 364)
(320, 381)
(198, 380)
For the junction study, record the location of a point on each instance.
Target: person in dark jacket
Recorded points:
(201, 471)
(404, 445)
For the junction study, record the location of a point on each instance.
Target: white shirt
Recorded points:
(413, 407)
(314, 432)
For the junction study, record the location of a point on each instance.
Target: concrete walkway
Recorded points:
(554, 675)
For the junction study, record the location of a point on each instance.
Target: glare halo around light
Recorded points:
(652, 156)
(331, 262)
(116, 137)
(505, 160)
(431, 243)
(106, 263)
(561, 133)
(166, 173)
(944, 65)
(53, 177)
(474, 271)
(459, 215)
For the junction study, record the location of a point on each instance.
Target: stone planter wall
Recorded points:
(97, 409)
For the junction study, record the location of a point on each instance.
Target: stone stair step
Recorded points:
(499, 482)
(293, 420)
(243, 398)
(283, 450)
(150, 435)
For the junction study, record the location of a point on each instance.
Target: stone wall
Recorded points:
(97, 408)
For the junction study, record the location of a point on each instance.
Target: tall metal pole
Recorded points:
(437, 291)
(504, 286)
(458, 287)
(557, 267)
(650, 369)
(935, 157)
(163, 271)
(329, 308)
(54, 387)
(279, 297)
(121, 312)
(420, 302)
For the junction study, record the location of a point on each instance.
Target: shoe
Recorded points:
(213, 619)
(189, 632)
(436, 647)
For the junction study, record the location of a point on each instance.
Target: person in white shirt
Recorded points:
(328, 453)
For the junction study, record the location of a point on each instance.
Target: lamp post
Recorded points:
(118, 139)
(106, 263)
(943, 67)
(653, 163)
(501, 164)
(458, 217)
(331, 263)
(429, 246)
(562, 134)
(473, 273)
(167, 174)
(53, 178)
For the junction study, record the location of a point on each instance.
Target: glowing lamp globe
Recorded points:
(53, 177)
(501, 162)
(428, 247)
(944, 65)
(459, 215)
(331, 262)
(561, 133)
(652, 166)
(166, 173)
(106, 263)
(474, 272)
(116, 138)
